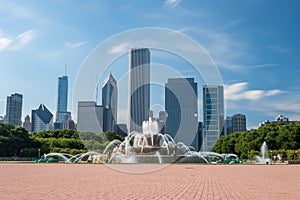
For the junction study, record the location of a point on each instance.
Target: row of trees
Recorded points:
(16, 141)
(281, 138)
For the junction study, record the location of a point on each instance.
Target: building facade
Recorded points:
(27, 123)
(110, 103)
(139, 88)
(14, 109)
(90, 117)
(239, 123)
(213, 115)
(42, 119)
(228, 125)
(62, 114)
(181, 105)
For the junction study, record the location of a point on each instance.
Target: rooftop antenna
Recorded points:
(65, 69)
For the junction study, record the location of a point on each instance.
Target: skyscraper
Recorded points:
(139, 88)
(109, 102)
(27, 123)
(62, 114)
(42, 119)
(90, 117)
(213, 115)
(238, 123)
(14, 109)
(181, 104)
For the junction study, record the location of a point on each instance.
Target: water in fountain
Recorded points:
(264, 158)
(151, 146)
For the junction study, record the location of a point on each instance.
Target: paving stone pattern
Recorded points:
(178, 181)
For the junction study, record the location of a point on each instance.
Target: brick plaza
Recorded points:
(177, 181)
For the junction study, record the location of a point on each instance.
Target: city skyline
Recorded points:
(256, 54)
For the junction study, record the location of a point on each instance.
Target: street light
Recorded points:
(248, 155)
(39, 153)
(21, 153)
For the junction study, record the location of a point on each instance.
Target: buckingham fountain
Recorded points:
(149, 146)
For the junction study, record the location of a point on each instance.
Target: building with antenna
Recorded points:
(62, 115)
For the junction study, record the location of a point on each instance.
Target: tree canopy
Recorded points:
(278, 136)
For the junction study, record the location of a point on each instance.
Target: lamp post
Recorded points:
(39, 154)
(295, 155)
(248, 155)
(21, 153)
(271, 152)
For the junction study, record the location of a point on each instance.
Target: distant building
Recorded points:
(27, 123)
(239, 123)
(139, 88)
(90, 117)
(109, 103)
(213, 115)
(69, 124)
(121, 129)
(235, 123)
(228, 126)
(42, 119)
(279, 118)
(181, 105)
(62, 115)
(14, 109)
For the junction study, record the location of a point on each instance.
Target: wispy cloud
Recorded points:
(238, 91)
(15, 43)
(171, 3)
(24, 39)
(120, 48)
(72, 45)
(279, 49)
(264, 65)
(4, 43)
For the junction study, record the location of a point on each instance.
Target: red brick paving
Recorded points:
(92, 181)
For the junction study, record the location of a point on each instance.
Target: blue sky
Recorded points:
(254, 43)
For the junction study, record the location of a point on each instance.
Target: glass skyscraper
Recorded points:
(14, 109)
(213, 115)
(109, 103)
(62, 114)
(139, 88)
(181, 104)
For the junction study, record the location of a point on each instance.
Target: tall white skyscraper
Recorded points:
(139, 88)
(213, 115)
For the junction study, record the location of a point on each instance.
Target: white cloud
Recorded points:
(265, 65)
(26, 37)
(72, 45)
(120, 48)
(171, 3)
(238, 91)
(4, 43)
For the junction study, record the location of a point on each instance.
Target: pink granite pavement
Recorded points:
(92, 181)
